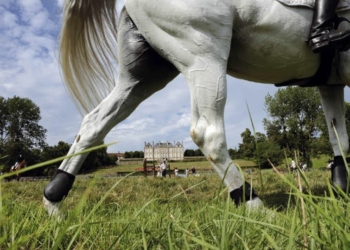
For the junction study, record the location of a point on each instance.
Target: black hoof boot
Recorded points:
(339, 174)
(59, 186)
(243, 194)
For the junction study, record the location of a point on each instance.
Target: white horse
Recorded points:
(255, 40)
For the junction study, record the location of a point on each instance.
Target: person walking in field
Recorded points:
(193, 170)
(176, 171)
(293, 166)
(163, 169)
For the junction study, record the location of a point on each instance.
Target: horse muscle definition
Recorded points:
(261, 41)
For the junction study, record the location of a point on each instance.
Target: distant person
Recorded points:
(193, 170)
(19, 160)
(186, 172)
(303, 167)
(176, 171)
(293, 166)
(163, 168)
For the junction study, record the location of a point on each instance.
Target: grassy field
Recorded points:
(177, 213)
(201, 165)
(318, 163)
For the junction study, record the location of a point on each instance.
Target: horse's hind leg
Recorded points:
(332, 98)
(142, 72)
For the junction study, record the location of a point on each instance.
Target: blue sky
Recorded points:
(29, 68)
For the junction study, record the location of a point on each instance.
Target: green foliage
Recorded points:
(95, 159)
(53, 152)
(19, 129)
(234, 153)
(189, 153)
(127, 154)
(192, 152)
(133, 154)
(268, 151)
(247, 147)
(259, 149)
(295, 115)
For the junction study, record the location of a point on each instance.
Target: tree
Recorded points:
(268, 151)
(189, 152)
(19, 128)
(246, 149)
(233, 153)
(96, 159)
(198, 152)
(53, 152)
(294, 114)
(3, 119)
(127, 154)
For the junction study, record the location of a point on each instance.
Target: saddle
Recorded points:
(326, 58)
(342, 6)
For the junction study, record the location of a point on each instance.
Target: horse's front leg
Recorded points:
(94, 128)
(332, 98)
(207, 81)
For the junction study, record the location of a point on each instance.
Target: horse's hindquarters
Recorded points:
(184, 31)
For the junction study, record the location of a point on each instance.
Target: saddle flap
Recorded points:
(343, 4)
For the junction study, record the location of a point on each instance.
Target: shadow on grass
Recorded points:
(280, 199)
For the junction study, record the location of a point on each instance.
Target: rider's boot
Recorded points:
(339, 174)
(322, 34)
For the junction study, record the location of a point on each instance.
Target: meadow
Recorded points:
(301, 212)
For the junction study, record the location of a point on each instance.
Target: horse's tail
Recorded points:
(87, 50)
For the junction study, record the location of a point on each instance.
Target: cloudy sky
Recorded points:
(29, 68)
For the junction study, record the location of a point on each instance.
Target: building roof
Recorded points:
(164, 145)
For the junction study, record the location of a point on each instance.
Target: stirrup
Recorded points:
(338, 20)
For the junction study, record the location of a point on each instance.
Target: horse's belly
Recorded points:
(267, 65)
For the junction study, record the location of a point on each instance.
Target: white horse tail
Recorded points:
(88, 50)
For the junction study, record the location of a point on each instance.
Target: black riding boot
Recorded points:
(339, 173)
(322, 34)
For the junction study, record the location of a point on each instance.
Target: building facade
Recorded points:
(164, 150)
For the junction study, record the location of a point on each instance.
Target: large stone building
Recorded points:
(164, 150)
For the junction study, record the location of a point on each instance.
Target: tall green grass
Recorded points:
(177, 213)
(302, 212)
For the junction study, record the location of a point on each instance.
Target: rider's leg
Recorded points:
(322, 34)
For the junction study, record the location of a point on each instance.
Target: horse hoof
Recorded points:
(53, 208)
(254, 204)
(339, 174)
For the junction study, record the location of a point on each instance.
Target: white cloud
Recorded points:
(60, 3)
